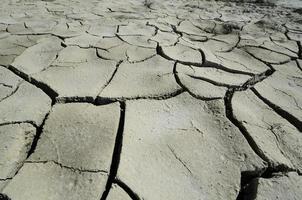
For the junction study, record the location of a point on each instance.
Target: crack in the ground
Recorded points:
(138, 61)
(116, 152)
(105, 100)
(149, 6)
(186, 89)
(12, 92)
(247, 177)
(127, 189)
(6, 85)
(39, 131)
(180, 160)
(110, 79)
(239, 125)
(219, 84)
(20, 122)
(283, 113)
(76, 99)
(300, 49)
(267, 63)
(68, 167)
(254, 80)
(4, 197)
(249, 185)
(44, 87)
(271, 50)
(207, 63)
(298, 65)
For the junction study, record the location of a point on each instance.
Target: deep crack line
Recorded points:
(230, 115)
(185, 89)
(68, 167)
(254, 80)
(34, 143)
(298, 65)
(283, 113)
(44, 87)
(109, 81)
(116, 152)
(127, 189)
(39, 131)
(299, 49)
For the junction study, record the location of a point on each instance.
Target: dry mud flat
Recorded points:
(150, 100)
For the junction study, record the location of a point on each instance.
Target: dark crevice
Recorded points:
(6, 85)
(106, 100)
(283, 113)
(100, 56)
(148, 4)
(97, 99)
(240, 126)
(12, 92)
(4, 197)
(177, 79)
(176, 31)
(300, 49)
(254, 80)
(39, 131)
(44, 87)
(249, 184)
(253, 144)
(248, 190)
(207, 63)
(139, 61)
(204, 63)
(298, 65)
(289, 49)
(185, 89)
(19, 122)
(219, 84)
(116, 152)
(6, 179)
(286, 32)
(160, 52)
(35, 34)
(267, 63)
(63, 45)
(127, 189)
(76, 99)
(265, 48)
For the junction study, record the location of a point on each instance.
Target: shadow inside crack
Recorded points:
(4, 197)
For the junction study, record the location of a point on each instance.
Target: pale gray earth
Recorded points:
(150, 100)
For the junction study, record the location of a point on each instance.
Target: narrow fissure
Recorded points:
(44, 87)
(39, 131)
(248, 183)
(100, 100)
(127, 189)
(4, 197)
(284, 114)
(254, 80)
(300, 49)
(230, 116)
(116, 152)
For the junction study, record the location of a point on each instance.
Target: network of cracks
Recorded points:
(150, 100)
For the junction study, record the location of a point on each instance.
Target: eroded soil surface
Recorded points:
(150, 100)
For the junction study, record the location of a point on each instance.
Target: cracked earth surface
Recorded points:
(150, 100)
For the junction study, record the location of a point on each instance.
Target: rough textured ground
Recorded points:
(150, 100)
